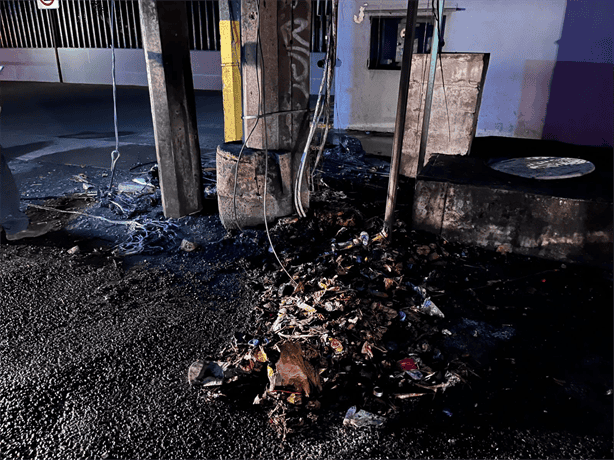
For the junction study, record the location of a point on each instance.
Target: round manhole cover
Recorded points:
(544, 168)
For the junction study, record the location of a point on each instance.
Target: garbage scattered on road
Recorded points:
(148, 235)
(206, 374)
(362, 418)
(350, 328)
(188, 246)
(74, 250)
(138, 186)
(365, 322)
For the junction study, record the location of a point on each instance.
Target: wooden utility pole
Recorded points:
(252, 189)
(275, 37)
(171, 91)
(399, 127)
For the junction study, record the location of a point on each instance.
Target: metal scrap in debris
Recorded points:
(146, 236)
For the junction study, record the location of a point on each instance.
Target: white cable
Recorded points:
(316, 117)
(115, 153)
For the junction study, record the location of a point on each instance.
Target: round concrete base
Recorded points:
(243, 205)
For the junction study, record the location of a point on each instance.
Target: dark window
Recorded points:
(387, 39)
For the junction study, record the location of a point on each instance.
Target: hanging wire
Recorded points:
(333, 58)
(115, 153)
(316, 118)
(443, 85)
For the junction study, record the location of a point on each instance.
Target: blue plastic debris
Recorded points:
(362, 418)
(415, 374)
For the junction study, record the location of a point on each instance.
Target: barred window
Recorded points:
(387, 40)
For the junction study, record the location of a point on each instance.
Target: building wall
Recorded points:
(93, 66)
(28, 64)
(550, 71)
(530, 44)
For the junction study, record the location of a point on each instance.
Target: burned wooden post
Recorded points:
(275, 38)
(171, 91)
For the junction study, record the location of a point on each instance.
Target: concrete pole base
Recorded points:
(244, 206)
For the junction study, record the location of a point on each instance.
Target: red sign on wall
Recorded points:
(48, 4)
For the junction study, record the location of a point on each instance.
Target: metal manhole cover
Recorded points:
(544, 168)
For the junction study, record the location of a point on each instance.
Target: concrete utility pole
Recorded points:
(171, 91)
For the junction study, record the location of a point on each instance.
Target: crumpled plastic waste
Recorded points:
(428, 306)
(292, 370)
(209, 374)
(362, 418)
(137, 186)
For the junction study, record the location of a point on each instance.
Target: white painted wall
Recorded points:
(93, 66)
(89, 65)
(522, 37)
(550, 72)
(28, 65)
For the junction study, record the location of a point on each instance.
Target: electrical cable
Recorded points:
(333, 58)
(316, 117)
(314, 123)
(130, 223)
(234, 191)
(115, 153)
(443, 85)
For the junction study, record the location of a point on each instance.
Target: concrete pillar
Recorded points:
(171, 91)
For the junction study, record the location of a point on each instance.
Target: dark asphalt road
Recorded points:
(94, 361)
(94, 351)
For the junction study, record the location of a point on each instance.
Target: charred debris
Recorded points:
(361, 323)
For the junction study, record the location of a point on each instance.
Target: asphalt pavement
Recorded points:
(95, 347)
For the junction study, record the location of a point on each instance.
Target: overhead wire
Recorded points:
(441, 43)
(115, 153)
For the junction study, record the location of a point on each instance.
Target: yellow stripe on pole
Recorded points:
(230, 51)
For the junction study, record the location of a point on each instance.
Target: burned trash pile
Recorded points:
(356, 330)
